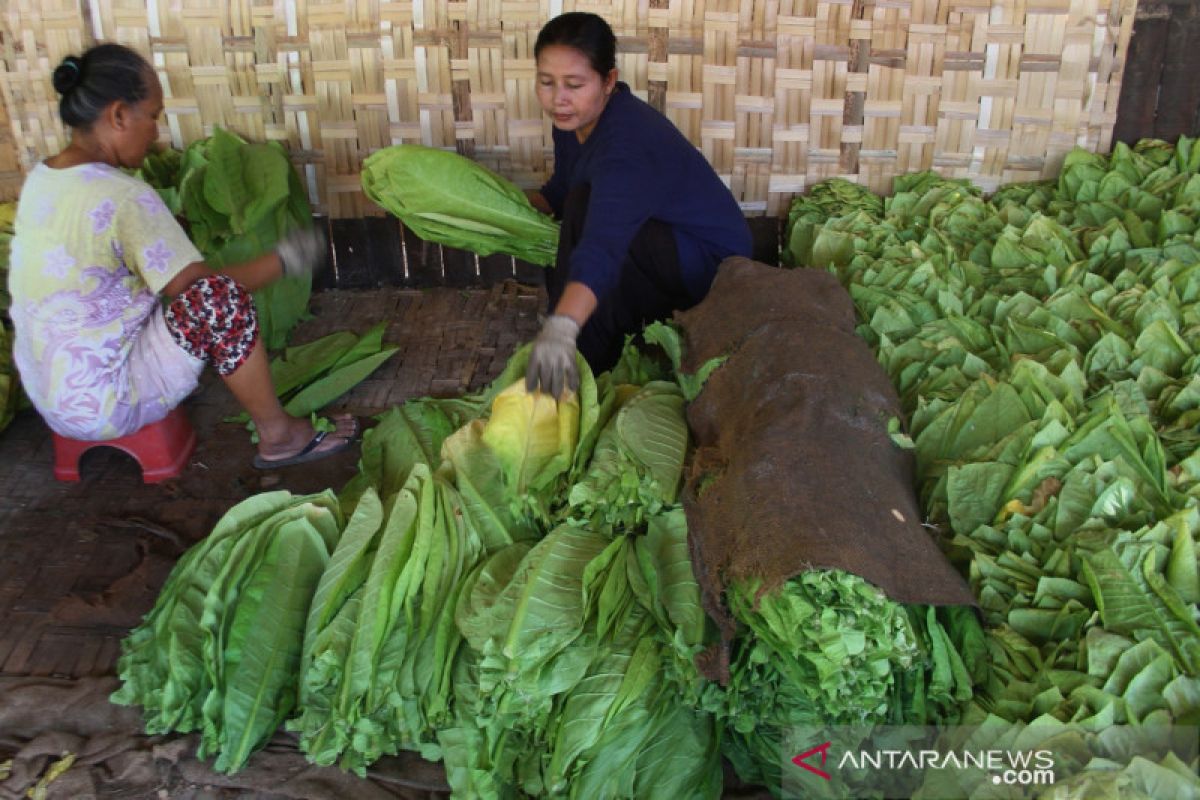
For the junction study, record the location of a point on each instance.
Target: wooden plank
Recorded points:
(370, 252)
(855, 101)
(531, 274)
(458, 267)
(1179, 93)
(385, 251)
(495, 269)
(658, 39)
(424, 260)
(325, 277)
(351, 254)
(1143, 71)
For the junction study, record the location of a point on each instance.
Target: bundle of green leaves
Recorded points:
(238, 199)
(381, 630)
(829, 649)
(1043, 344)
(310, 376)
(571, 683)
(220, 651)
(446, 198)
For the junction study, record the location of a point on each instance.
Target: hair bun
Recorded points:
(67, 75)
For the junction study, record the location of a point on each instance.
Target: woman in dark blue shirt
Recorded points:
(645, 219)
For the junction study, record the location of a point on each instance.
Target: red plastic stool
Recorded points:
(161, 448)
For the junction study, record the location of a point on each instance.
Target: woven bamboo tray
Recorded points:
(778, 94)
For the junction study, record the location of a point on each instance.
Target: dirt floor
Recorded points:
(80, 563)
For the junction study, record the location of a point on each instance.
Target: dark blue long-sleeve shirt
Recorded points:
(640, 167)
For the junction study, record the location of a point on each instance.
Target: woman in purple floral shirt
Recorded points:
(94, 252)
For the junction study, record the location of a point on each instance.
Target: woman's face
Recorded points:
(570, 91)
(140, 130)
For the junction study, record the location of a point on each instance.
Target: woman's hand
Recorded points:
(539, 201)
(552, 360)
(302, 252)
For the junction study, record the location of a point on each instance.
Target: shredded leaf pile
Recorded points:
(1044, 342)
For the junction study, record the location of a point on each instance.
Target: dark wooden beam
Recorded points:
(1179, 91)
(1143, 72)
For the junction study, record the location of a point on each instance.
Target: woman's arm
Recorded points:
(300, 253)
(253, 274)
(577, 302)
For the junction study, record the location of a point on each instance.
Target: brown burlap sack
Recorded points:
(42, 720)
(749, 297)
(794, 468)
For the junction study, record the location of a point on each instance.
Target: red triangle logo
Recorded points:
(801, 760)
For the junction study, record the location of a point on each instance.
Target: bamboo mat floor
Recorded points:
(80, 563)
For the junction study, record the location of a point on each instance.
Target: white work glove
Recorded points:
(552, 360)
(302, 251)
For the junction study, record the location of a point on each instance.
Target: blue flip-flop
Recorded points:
(310, 452)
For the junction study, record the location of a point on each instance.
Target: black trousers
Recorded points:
(650, 286)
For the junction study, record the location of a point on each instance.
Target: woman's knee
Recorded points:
(214, 319)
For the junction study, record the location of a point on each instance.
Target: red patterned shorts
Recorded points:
(214, 319)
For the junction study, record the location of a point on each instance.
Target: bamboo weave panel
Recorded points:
(778, 94)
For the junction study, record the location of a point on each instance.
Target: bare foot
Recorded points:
(297, 438)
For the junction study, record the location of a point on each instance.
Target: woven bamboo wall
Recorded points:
(778, 94)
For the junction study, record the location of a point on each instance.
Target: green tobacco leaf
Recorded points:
(325, 390)
(652, 428)
(368, 344)
(301, 364)
(975, 493)
(265, 171)
(224, 188)
(396, 545)
(478, 476)
(281, 305)
(1128, 608)
(483, 612)
(261, 690)
(679, 593)
(346, 571)
(1182, 567)
(299, 211)
(350, 668)
(595, 406)
(407, 435)
(546, 596)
